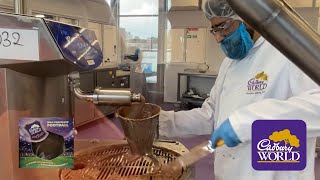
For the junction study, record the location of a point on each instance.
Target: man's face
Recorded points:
(223, 26)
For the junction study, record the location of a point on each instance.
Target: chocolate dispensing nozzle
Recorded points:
(103, 96)
(195, 154)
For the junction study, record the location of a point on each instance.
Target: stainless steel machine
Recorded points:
(37, 57)
(32, 84)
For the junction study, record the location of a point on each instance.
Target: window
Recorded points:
(140, 35)
(138, 22)
(139, 7)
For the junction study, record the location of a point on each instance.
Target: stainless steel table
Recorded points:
(189, 76)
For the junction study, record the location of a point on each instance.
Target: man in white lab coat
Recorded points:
(235, 102)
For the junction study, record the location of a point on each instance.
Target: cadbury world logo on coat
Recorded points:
(258, 84)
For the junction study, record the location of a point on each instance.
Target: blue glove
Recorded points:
(225, 132)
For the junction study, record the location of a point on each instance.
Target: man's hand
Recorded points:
(226, 133)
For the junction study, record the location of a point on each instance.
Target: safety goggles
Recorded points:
(221, 27)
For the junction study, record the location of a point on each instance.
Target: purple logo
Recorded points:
(258, 84)
(279, 145)
(36, 131)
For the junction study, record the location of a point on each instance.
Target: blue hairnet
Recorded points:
(218, 8)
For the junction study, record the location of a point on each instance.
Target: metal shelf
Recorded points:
(189, 75)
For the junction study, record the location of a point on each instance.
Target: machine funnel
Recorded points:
(139, 123)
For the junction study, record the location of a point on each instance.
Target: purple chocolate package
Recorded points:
(46, 142)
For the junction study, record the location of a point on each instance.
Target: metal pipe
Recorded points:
(278, 23)
(103, 96)
(81, 95)
(114, 96)
(18, 6)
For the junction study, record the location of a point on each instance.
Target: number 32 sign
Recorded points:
(19, 44)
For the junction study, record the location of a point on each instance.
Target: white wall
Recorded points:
(213, 56)
(214, 53)
(311, 15)
(69, 8)
(7, 2)
(181, 19)
(183, 3)
(99, 10)
(83, 10)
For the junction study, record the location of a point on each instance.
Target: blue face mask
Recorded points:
(237, 45)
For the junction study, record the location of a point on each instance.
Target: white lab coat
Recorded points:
(290, 94)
